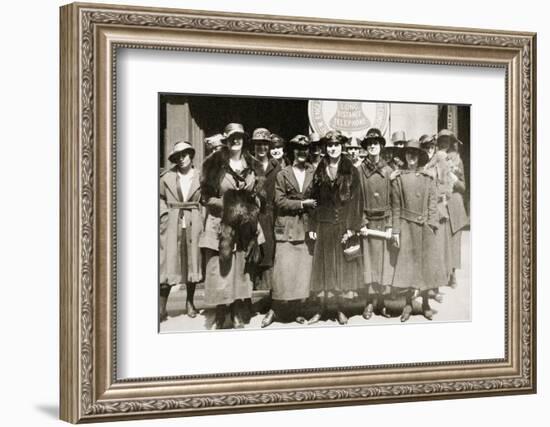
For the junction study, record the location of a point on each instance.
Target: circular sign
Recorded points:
(352, 118)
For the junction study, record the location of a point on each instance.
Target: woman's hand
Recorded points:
(309, 203)
(364, 231)
(395, 240)
(312, 235)
(346, 236)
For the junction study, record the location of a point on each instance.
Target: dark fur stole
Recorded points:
(240, 208)
(341, 190)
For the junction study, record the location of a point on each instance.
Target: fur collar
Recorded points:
(216, 165)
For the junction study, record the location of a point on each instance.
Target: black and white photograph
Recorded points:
(300, 213)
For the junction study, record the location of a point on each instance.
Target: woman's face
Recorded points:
(412, 159)
(353, 152)
(261, 149)
(315, 151)
(235, 142)
(431, 151)
(300, 155)
(277, 153)
(334, 150)
(184, 160)
(373, 149)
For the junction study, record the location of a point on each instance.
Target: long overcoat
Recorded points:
(438, 167)
(268, 210)
(377, 215)
(457, 212)
(180, 260)
(338, 210)
(414, 215)
(458, 218)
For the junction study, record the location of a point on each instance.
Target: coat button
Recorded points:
(376, 194)
(419, 218)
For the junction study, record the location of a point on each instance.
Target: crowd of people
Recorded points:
(320, 222)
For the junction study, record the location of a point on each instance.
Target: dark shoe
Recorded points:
(384, 312)
(191, 310)
(163, 314)
(268, 319)
(237, 321)
(406, 314)
(367, 313)
(301, 320)
(316, 317)
(342, 318)
(427, 311)
(220, 317)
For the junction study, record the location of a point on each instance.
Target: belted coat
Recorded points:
(416, 219)
(377, 215)
(180, 261)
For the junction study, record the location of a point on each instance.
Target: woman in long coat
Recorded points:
(458, 218)
(293, 255)
(267, 168)
(336, 219)
(374, 175)
(231, 232)
(438, 167)
(180, 227)
(415, 223)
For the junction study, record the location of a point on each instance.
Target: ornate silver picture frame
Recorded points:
(91, 37)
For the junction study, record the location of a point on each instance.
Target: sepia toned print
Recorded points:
(277, 213)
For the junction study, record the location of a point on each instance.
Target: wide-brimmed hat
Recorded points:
(314, 137)
(398, 136)
(426, 141)
(261, 135)
(234, 129)
(353, 143)
(299, 142)
(277, 141)
(414, 146)
(180, 147)
(446, 133)
(214, 141)
(334, 136)
(373, 136)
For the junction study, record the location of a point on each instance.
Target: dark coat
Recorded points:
(174, 267)
(268, 209)
(291, 221)
(338, 210)
(339, 201)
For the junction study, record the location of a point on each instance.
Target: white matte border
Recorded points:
(142, 352)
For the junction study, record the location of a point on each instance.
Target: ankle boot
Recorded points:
(236, 315)
(220, 316)
(189, 305)
(163, 314)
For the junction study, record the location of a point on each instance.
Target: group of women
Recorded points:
(315, 222)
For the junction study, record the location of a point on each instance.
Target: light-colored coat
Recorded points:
(172, 210)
